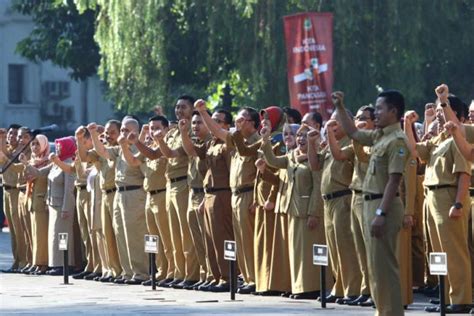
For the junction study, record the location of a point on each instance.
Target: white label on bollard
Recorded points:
(438, 263)
(230, 250)
(320, 255)
(62, 241)
(151, 243)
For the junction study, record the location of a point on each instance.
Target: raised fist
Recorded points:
(260, 164)
(183, 125)
(23, 159)
(145, 129)
(80, 131)
(3, 132)
(265, 132)
(132, 138)
(411, 117)
(121, 140)
(52, 157)
(331, 124)
(442, 92)
(92, 127)
(313, 135)
(451, 127)
(200, 105)
(338, 98)
(159, 135)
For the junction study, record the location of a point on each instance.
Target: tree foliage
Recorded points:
(61, 35)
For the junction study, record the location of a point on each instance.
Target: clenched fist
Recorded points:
(338, 98)
(200, 105)
(442, 92)
(411, 117)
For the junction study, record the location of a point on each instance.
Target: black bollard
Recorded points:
(66, 266)
(233, 280)
(153, 271)
(442, 303)
(323, 287)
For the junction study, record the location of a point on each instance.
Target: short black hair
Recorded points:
(26, 129)
(14, 126)
(227, 116)
(317, 117)
(160, 118)
(293, 113)
(188, 98)
(254, 116)
(369, 109)
(460, 108)
(394, 99)
(114, 122)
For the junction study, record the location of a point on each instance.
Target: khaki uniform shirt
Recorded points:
(197, 168)
(242, 169)
(154, 171)
(359, 156)
(336, 175)
(106, 170)
(124, 173)
(10, 177)
(389, 155)
(176, 167)
(217, 158)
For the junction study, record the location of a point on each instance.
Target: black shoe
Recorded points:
(472, 311)
(56, 271)
(30, 270)
(120, 280)
(434, 301)
(192, 286)
(206, 286)
(286, 294)
(174, 282)
(97, 278)
(165, 282)
(25, 268)
(306, 295)
(223, 287)
(367, 303)
(81, 275)
(133, 281)
(91, 276)
(147, 282)
(182, 284)
(246, 289)
(271, 293)
(458, 309)
(432, 292)
(196, 285)
(11, 270)
(330, 298)
(358, 300)
(106, 279)
(346, 299)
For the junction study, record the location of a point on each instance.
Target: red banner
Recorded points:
(309, 59)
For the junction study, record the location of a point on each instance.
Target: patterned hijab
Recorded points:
(41, 159)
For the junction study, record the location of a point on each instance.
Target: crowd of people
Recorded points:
(380, 189)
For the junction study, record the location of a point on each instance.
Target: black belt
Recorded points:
(156, 191)
(441, 186)
(198, 190)
(242, 190)
(336, 194)
(23, 190)
(81, 187)
(178, 179)
(357, 191)
(129, 188)
(471, 192)
(110, 190)
(370, 197)
(8, 187)
(213, 190)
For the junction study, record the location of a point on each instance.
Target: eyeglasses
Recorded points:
(218, 121)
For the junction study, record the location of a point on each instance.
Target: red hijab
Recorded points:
(67, 147)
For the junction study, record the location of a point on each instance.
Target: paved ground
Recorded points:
(25, 294)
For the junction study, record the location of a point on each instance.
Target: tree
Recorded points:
(61, 35)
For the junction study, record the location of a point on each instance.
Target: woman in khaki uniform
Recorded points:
(304, 205)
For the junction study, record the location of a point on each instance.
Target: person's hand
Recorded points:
(455, 213)
(377, 226)
(408, 221)
(183, 126)
(330, 125)
(410, 117)
(338, 98)
(451, 127)
(159, 135)
(252, 208)
(312, 222)
(261, 165)
(200, 105)
(92, 127)
(201, 208)
(121, 140)
(132, 138)
(269, 206)
(430, 112)
(314, 136)
(80, 131)
(65, 214)
(442, 92)
(145, 131)
(53, 157)
(23, 159)
(265, 132)
(3, 133)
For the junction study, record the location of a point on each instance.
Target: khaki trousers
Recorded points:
(218, 228)
(39, 220)
(59, 225)
(357, 229)
(405, 264)
(243, 224)
(25, 221)
(280, 276)
(450, 236)
(83, 216)
(157, 223)
(337, 221)
(111, 252)
(430, 280)
(120, 234)
(10, 208)
(382, 259)
(132, 207)
(263, 241)
(417, 244)
(186, 263)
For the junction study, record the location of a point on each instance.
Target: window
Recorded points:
(16, 83)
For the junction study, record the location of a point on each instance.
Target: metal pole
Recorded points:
(323, 287)
(153, 271)
(233, 280)
(66, 267)
(442, 303)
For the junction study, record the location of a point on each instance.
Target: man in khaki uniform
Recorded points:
(9, 146)
(447, 180)
(186, 262)
(242, 178)
(335, 181)
(383, 210)
(155, 186)
(106, 170)
(129, 204)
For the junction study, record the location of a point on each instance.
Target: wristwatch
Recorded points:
(379, 212)
(458, 205)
